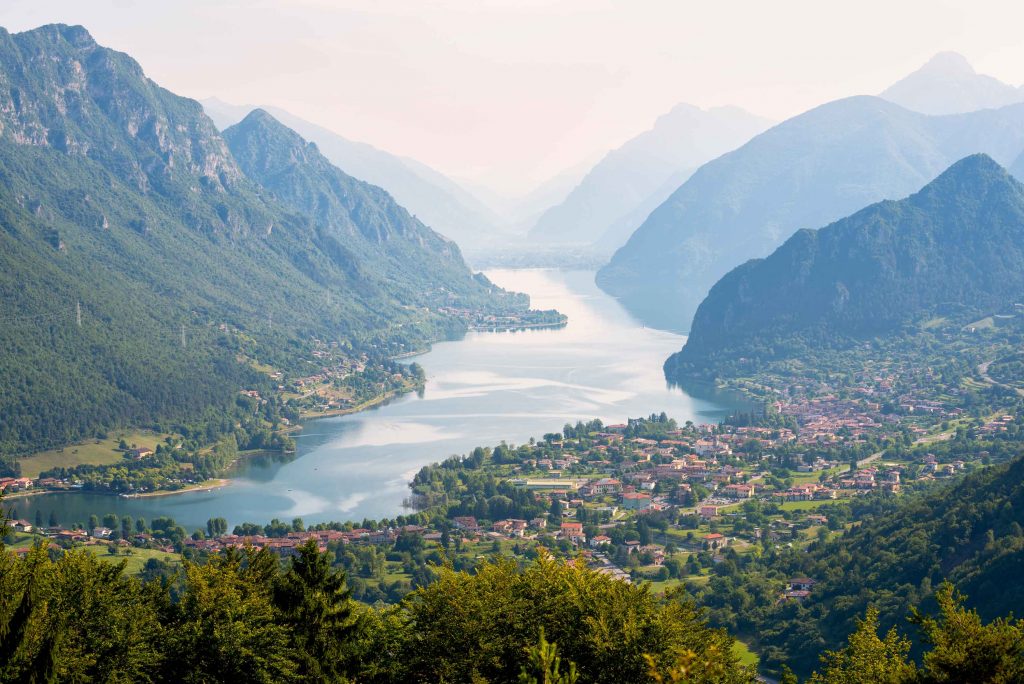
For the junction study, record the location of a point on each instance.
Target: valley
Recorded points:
(487, 387)
(510, 342)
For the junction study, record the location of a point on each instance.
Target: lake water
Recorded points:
(481, 390)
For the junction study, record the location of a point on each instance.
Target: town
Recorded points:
(646, 500)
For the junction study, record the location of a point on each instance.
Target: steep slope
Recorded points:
(618, 193)
(955, 246)
(967, 533)
(351, 216)
(1017, 168)
(803, 173)
(121, 201)
(948, 84)
(432, 197)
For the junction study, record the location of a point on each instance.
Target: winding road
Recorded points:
(983, 372)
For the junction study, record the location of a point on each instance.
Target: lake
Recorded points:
(483, 389)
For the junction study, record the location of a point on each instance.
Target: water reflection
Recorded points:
(483, 389)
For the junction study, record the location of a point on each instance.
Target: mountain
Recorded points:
(955, 246)
(139, 263)
(521, 211)
(618, 193)
(432, 197)
(1017, 167)
(948, 84)
(350, 216)
(806, 172)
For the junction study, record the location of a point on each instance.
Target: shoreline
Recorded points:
(370, 403)
(38, 492)
(518, 327)
(221, 482)
(208, 486)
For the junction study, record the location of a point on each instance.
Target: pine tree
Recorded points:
(316, 604)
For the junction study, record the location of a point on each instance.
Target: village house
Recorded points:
(801, 584)
(739, 491)
(573, 531)
(707, 511)
(715, 541)
(657, 553)
(74, 535)
(711, 447)
(634, 501)
(15, 484)
(511, 527)
(139, 453)
(466, 522)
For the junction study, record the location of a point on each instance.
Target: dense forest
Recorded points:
(246, 616)
(144, 276)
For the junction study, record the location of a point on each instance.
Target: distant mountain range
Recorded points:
(953, 249)
(802, 173)
(432, 197)
(618, 193)
(948, 84)
(522, 211)
(140, 257)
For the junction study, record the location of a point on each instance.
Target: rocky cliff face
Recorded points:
(59, 88)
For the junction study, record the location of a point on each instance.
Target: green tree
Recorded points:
(467, 627)
(317, 608)
(963, 649)
(216, 527)
(225, 627)
(77, 618)
(545, 667)
(866, 657)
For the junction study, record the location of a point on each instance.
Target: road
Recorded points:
(983, 372)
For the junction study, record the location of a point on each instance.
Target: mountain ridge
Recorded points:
(629, 181)
(948, 248)
(349, 214)
(948, 84)
(139, 263)
(803, 173)
(437, 200)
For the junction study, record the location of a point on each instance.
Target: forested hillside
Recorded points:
(243, 618)
(426, 193)
(951, 250)
(139, 264)
(359, 223)
(894, 559)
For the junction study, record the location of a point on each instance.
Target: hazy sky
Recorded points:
(509, 92)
